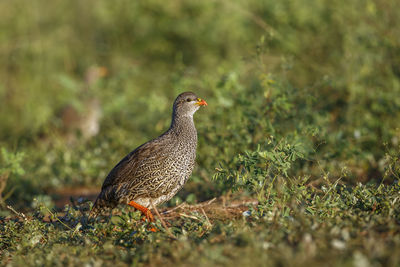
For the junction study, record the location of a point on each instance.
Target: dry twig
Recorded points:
(205, 215)
(19, 214)
(162, 221)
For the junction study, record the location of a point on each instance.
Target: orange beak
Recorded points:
(201, 102)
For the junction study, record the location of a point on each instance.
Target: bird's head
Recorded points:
(186, 104)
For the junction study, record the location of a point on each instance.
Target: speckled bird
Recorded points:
(155, 171)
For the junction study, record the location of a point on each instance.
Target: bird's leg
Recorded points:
(146, 212)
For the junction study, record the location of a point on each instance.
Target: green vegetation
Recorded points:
(300, 142)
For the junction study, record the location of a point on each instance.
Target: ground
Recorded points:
(298, 159)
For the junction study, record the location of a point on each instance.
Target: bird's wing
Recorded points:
(137, 165)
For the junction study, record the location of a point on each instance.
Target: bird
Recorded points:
(155, 171)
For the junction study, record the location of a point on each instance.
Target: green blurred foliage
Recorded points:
(304, 104)
(319, 73)
(10, 164)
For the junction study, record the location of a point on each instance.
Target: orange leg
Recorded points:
(146, 212)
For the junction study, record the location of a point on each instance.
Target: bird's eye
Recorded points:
(188, 100)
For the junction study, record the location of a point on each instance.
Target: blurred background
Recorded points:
(82, 83)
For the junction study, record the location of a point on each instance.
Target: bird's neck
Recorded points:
(183, 127)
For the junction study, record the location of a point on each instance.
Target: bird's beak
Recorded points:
(201, 102)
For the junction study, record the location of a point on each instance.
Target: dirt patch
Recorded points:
(214, 209)
(63, 196)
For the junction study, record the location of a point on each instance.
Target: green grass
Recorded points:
(302, 125)
(298, 224)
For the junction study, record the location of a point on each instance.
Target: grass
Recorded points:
(338, 224)
(298, 160)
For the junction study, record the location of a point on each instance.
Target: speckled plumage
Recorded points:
(155, 171)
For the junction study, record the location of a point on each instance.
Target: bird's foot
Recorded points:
(145, 211)
(149, 216)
